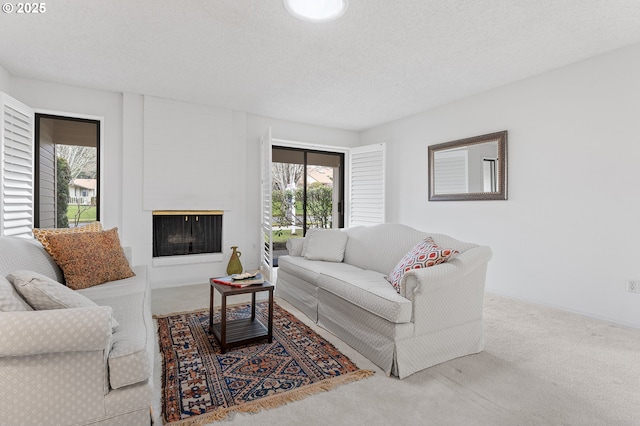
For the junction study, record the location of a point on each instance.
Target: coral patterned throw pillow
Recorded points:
(424, 254)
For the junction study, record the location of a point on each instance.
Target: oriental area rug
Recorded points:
(201, 385)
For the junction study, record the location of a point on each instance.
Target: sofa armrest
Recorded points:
(59, 359)
(59, 330)
(448, 294)
(426, 280)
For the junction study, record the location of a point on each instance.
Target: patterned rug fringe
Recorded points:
(275, 400)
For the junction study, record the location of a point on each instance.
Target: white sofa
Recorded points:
(436, 317)
(67, 366)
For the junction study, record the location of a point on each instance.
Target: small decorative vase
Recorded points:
(234, 266)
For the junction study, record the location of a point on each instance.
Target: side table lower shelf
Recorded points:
(241, 331)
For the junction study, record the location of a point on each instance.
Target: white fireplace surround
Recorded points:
(190, 158)
(187, 259)
(186, 156)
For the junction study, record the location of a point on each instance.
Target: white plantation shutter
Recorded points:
(366, 204)
(451, 172)
(266, 181)
(16, 177)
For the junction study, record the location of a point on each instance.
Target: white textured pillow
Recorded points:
(307, 238)
(327, 245)
(43, 293)
(10, 300)
(294, 245)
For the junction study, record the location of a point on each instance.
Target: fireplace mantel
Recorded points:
(186, 212)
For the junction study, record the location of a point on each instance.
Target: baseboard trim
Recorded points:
(566, 309)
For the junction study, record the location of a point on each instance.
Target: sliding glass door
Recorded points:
(308, 192)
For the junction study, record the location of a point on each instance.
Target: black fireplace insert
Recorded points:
(186, 232)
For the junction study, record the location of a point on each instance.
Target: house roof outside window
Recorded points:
(84, 183)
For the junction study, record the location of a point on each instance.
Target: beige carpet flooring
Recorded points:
(540, 366)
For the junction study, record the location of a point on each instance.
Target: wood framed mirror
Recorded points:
(469, 169)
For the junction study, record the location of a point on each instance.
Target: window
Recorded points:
(67, 175)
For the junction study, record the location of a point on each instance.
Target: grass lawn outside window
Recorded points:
(88, 215)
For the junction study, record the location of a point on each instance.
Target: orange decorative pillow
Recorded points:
(89, 258)
(41, 234)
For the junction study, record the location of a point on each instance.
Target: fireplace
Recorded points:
(186, 232)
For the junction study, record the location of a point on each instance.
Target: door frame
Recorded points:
(306, 148)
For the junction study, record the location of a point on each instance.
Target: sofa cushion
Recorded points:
(423, 255)
(131, 355)
(10, 300)
(370, 291)
(327, 245)
(129, 360)
(89, 259)
(41, 234)
(310, 270)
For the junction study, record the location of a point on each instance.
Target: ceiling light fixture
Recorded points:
(316, 10)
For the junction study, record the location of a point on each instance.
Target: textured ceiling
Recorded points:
(381, 61)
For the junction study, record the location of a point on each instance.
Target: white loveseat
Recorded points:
(67, 366)
(437, 316)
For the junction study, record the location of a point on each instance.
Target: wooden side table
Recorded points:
(232, 333)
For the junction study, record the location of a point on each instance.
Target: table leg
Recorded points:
(270, 331)
(253, 306)
(211, 290)
(223, 325)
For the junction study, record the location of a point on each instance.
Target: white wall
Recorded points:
(136, 222)
(4, 80)
(191, 159)
(568, 234)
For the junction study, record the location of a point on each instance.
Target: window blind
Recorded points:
(367, 185)
(16, 133)
(451, 172)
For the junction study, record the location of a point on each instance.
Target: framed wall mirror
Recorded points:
(469, 169)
